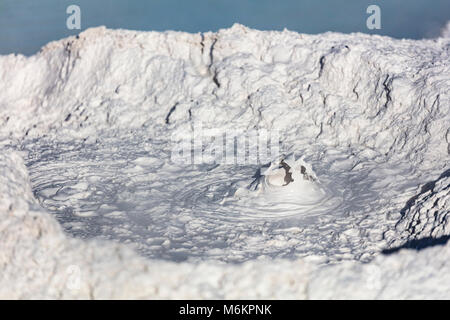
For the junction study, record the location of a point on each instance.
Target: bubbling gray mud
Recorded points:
(126, 189)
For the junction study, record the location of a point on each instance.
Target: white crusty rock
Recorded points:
(370, 113)
(426, 216)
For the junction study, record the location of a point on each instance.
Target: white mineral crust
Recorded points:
(92, 207)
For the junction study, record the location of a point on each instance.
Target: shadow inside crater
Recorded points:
(419, 244)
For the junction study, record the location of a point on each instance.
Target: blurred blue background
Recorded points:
(26, 25)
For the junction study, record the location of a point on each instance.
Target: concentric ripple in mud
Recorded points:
(128, 190)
